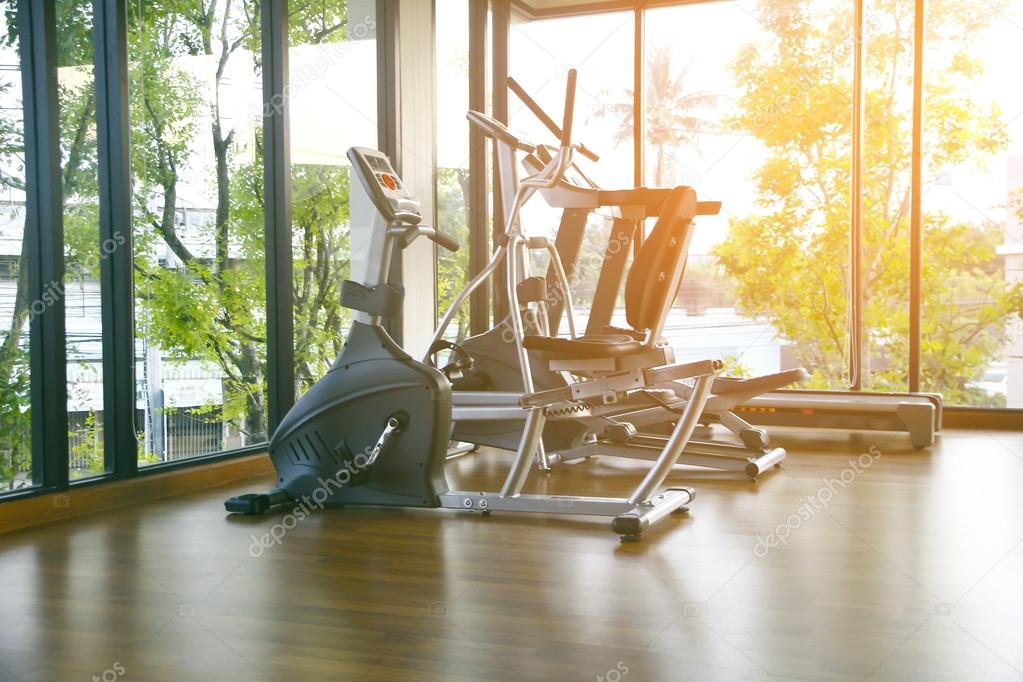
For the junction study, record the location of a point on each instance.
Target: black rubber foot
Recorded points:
(754, 439)
(251, 504)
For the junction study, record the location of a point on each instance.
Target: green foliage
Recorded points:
(789, 257)
(453, 268)
(12, 143)
(15, 398)
(322, 244)
(320, 256)
(211, 306)
(734, 367)
(314, 22)
(86, 448)
(15, 420)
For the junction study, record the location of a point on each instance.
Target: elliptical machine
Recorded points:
(488, 369)
(375, 429)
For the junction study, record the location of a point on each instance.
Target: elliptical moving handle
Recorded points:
(531, 104)
(538, 111)
(566, 127)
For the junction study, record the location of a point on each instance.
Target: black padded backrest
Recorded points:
(652, 278)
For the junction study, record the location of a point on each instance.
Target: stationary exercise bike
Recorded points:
(375, 429)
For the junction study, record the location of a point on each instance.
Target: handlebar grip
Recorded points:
(587, 152)
(566, 128)
(445, 241)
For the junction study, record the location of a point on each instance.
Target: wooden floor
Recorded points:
(910, 569)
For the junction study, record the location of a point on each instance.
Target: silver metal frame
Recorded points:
(514, 254)
(633, 514)
(645, 505)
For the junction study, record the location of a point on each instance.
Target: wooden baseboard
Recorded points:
(979, 418)
(79, 501)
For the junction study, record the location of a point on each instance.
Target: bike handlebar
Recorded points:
(443, 240)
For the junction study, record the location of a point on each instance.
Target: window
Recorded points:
(601, 50)
(333, 106)
(15, 307)
(195, 89)
(761, 122)
(452, 59)
(972, 333)
(83, 252)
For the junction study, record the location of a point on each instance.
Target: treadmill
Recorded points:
(761, 400)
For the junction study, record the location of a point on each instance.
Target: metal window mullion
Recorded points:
(388, 124)
(856, 209)
(280, 320)
(44, 230)
(638, 96)
(916, 211)
(113, 128)
(479, 234)
(501, 29)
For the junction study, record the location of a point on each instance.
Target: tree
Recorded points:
(211, 306)
(788, 258)
(77, 102)
(675, 113)
(453, 220)
(15, 413)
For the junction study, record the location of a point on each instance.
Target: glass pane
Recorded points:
(15, 307)
(83, 252)
(887, 163)
(746, 121)
(195, 82)
(601, 50)
(333, 105)
(452, 58)
(972, 336)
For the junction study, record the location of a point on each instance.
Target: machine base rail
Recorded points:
(722, 456)
(630, 520)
